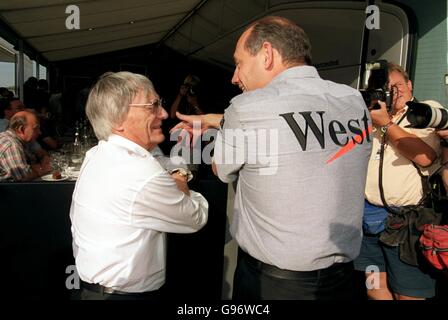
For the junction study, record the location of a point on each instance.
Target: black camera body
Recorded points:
(376, 85)
(422, 115)
(192, 90)
(192, 83)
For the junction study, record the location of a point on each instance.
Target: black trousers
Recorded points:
(255, 280)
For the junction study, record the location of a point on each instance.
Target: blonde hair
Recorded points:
(397, 68)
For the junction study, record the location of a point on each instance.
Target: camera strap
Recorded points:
(380, 173)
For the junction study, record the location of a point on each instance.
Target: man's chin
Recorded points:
(158, 138)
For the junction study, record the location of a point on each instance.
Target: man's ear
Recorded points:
(268, 53)
(409, 84)
(21, 129)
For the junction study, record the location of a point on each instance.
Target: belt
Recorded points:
(95, 287)
(278, 273)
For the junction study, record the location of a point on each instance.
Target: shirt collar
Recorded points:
(298, 72)
(129, 145)
(14, 135)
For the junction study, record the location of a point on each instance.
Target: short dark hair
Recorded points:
(288, 38)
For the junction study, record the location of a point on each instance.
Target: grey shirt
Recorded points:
(299, 148)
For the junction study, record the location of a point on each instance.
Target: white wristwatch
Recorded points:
(182, 172)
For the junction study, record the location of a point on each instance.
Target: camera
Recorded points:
(376, 85)
(422, 115)
(192, 83)
(193, 90)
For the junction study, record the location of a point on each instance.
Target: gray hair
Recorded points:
(284, 35)
(109, 99)
(20, 120)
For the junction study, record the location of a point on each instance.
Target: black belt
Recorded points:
(94, 287)
(276, 272)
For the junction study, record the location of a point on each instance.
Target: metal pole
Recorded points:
(20, 70)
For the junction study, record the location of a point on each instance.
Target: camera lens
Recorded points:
(422, 115)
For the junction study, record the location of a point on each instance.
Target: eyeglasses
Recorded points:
(153, 106)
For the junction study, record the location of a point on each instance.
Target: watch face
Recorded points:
(183, 173)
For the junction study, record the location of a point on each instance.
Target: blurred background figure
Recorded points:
(188, 98)
(29, 90)
(188, 101)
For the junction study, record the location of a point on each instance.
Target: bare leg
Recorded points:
(380, 292)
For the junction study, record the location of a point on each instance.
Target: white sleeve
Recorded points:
(230, 148)
(161, 206)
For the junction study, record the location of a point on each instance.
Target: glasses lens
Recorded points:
(157, 105)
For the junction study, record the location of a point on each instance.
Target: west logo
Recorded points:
(347, 135)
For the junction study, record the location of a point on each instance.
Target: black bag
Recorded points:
(405, 226)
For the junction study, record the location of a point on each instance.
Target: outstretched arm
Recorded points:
(204, 121)
(408, 144)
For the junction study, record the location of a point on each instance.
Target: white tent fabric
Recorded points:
(204, 29)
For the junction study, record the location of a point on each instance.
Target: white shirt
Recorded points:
(122, 205)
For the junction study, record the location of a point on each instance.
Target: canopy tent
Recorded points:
(206, 30)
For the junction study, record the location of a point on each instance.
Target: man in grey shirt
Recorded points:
(298, 147)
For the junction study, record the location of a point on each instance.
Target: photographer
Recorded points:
(404, 150)
(186, 101)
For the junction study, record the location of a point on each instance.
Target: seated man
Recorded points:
(124, 200)
(23, 128)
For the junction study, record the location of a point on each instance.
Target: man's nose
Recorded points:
(162, 113)
(235, 80)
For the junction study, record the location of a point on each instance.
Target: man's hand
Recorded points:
(380, 117)
(183, 90)
(181, 182)
(204, 121)
(196, 125)
(443, 133)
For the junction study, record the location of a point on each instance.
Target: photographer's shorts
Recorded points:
(402, 278)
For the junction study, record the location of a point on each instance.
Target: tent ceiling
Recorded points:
(204, 29)
(115, 24)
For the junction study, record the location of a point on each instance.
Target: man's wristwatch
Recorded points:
(384, 129)
(182, 172)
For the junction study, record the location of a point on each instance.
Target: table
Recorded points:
(36, 243)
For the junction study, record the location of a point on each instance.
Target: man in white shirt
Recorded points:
(124, 201)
